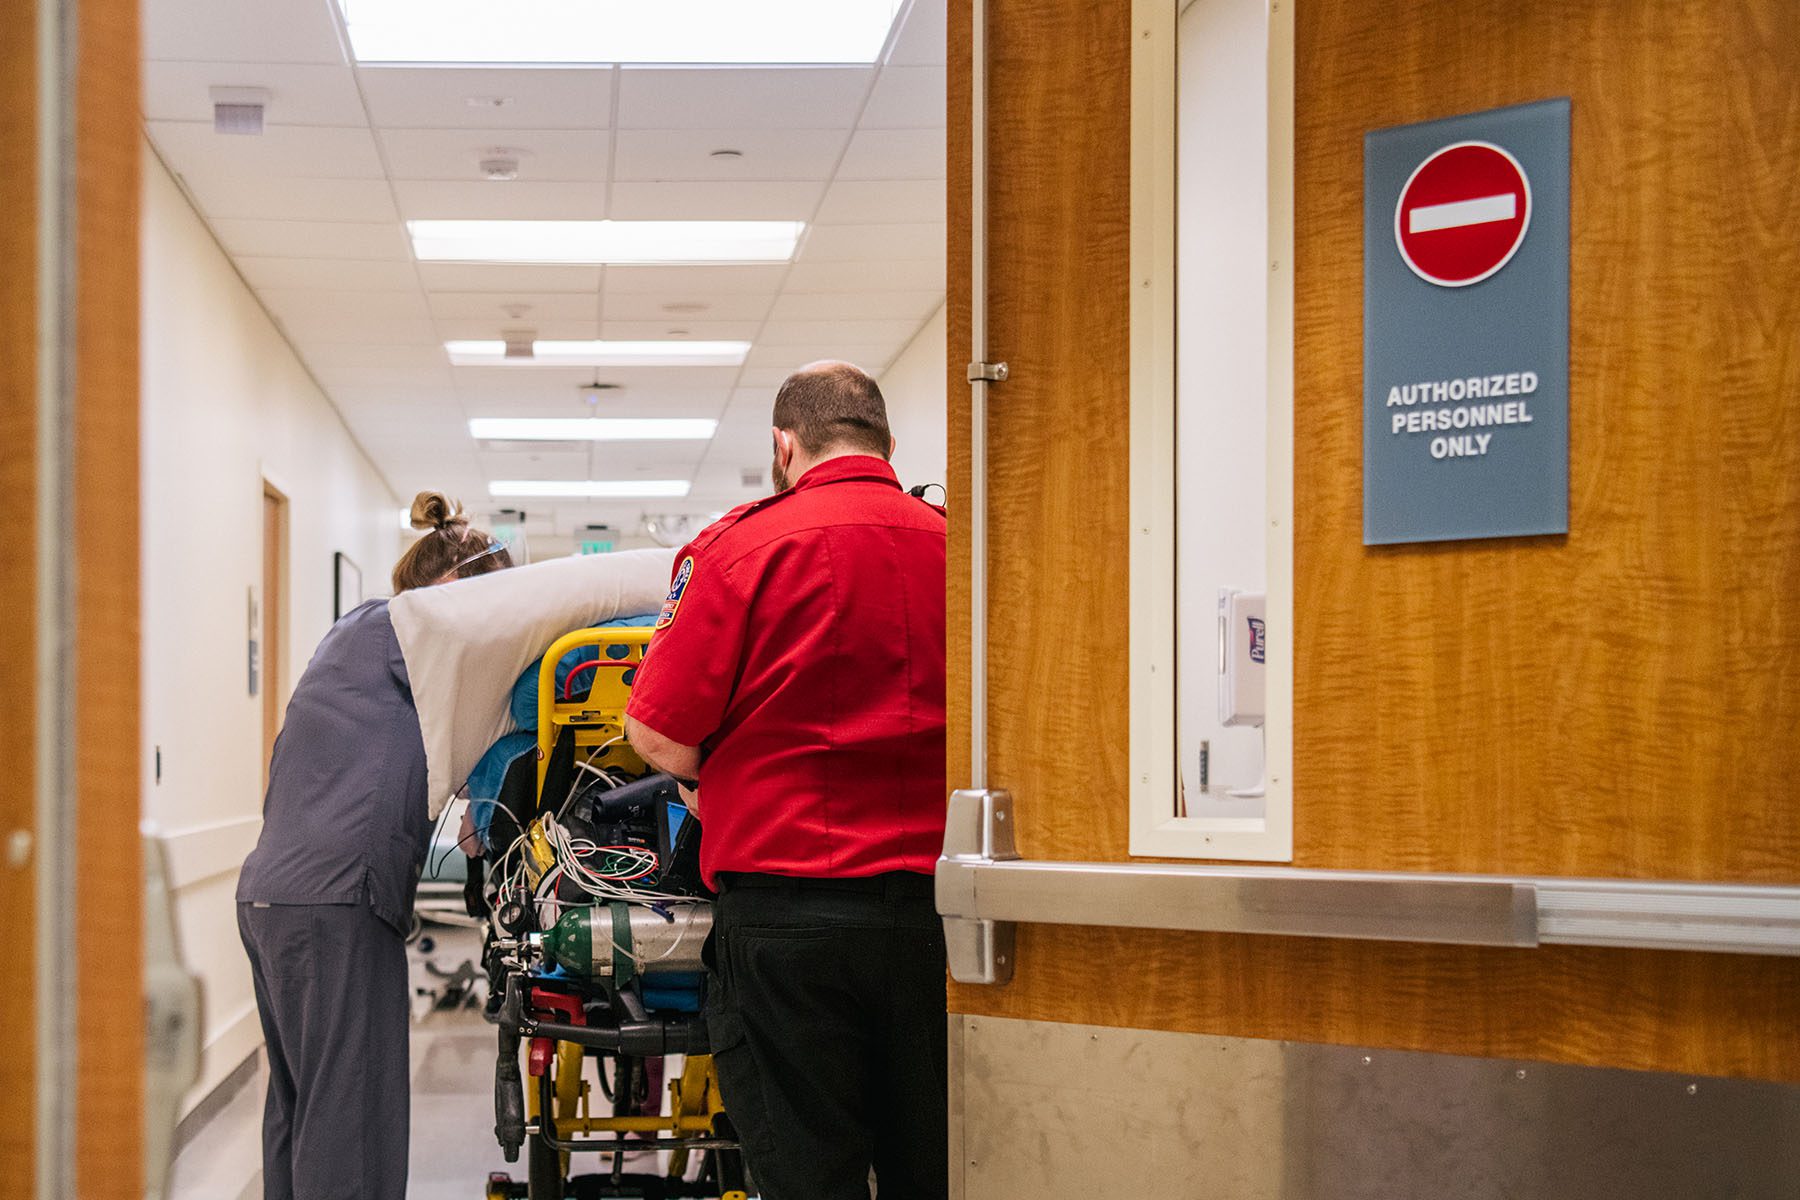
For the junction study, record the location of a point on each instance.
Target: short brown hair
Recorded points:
(453, 545)
(834, 406)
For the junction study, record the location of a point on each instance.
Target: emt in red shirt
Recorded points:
(797, 673)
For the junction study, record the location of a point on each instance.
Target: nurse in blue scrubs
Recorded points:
(325, 899)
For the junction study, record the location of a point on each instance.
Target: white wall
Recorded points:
(913, 386)
(1222, 383)
(226, 404)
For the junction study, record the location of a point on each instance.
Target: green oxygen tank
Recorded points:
(620, 941)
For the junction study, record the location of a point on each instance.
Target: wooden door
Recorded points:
(71, 1118)
(1619, 702)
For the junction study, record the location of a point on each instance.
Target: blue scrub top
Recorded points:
(344, 821)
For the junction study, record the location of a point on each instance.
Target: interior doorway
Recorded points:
(274, 555)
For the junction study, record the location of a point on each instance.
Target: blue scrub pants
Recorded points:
(331, 987)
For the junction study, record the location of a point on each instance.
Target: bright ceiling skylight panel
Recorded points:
(676, 32)
(600, 354)
(588, 489)
(592, 429)
(636, 243)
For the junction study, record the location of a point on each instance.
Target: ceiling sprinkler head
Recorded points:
(515, 311)
(685, 307)
(727, 152)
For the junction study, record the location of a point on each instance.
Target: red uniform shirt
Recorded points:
(802, 649)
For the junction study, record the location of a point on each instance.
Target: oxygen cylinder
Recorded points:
(621, 941)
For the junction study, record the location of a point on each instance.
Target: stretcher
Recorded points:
(589, 890)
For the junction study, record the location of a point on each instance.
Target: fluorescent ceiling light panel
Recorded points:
(635, 243)
(592, 429)
(588, 489)
(601, 354)
(618, 31)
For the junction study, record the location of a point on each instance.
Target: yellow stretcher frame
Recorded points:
(599, 725)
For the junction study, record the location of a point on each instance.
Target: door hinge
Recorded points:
(982, 372)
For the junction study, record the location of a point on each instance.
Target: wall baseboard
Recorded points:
(215, 1101)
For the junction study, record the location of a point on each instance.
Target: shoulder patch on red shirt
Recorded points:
(683, 573)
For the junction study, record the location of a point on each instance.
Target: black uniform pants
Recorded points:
(331, 990)
(826, 1015)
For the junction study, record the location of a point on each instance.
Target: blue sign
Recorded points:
(1466, 327)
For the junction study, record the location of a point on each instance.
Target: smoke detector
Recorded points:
(520, 343)
(500, 164)
(239, 110)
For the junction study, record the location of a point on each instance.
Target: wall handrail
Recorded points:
(984, 889)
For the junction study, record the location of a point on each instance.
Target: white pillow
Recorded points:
(466, 642)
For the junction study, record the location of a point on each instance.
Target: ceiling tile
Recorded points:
(786, 359)
(827, 333)
(697, 281)
(443, 97)
(493, 306)
(269, 31)
(856, 306)
(479, 380)
(916, 276)
(534, 463)
(567, 402)
(354, 328)
(341, 355)
(894, 154)
(656, 306)
(545, 155)
(555, 329)
(657, 154)
(298, 94)
(274, 198)
(508, 277)
(314, 304)
(722, 331)
(697, 201)
(331, 273)
(310, 239)
(516, 200)
(920, 41)
(864, 202)
(873, 243)
(292, 151)
(782, 98)
(907, 98)
(415, 379)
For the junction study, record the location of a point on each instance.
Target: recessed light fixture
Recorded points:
(629, 31)
(632, 242)
(589, 489)
(592, 429)
(600, 354)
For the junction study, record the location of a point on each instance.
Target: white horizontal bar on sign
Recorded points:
(1479, 211)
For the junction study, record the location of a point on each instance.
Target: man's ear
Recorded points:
(892, 442)
(784, 444)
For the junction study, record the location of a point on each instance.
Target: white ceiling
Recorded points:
(312, 212)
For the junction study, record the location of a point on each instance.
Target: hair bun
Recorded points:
(434, 510)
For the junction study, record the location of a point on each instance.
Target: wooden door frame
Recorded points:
(72, 72)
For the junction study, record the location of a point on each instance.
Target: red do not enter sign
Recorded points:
(1463, 213)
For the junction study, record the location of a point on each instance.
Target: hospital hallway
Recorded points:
(928, 599)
